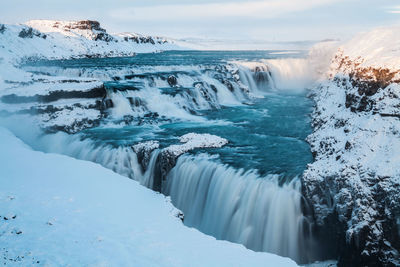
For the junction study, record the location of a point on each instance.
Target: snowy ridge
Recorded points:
(118, 230)
(379, 48)
(355, 179)
(72, 39)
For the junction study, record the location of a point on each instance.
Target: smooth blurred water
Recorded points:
(265, 134)
(169, 58)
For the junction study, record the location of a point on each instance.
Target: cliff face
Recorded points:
(93, 29)
(354, 183)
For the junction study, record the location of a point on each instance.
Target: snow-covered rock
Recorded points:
(168, 156)
(143, 152)
(55, 210)
(191, 141)
(354, 183)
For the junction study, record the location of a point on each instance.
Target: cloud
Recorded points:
(250, 9)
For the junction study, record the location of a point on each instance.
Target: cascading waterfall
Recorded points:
(291, 74)
(169, 91)
(294, 74)
(218, 200)
(119, 159)
(240, 206)
(256, 76)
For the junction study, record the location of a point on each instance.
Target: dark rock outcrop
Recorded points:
(145, 39)
(165, 162)
(262, 76)
(2, 28)
(30, 33)
(97, 92)
(98, 33)
(144, 151)
(172, 80)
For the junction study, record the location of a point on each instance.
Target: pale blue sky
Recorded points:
(270, 20)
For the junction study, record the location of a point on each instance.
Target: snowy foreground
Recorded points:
(57, 210)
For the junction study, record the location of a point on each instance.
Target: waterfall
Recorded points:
(292, 74)
(119, 159)
(177, 92)
(221, 201)
(256, 76)
(240, 206)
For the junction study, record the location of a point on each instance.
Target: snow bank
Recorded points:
(56, 210)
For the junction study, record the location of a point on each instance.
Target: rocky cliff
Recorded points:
(354, 183)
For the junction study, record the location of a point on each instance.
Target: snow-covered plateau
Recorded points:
(347, 201)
